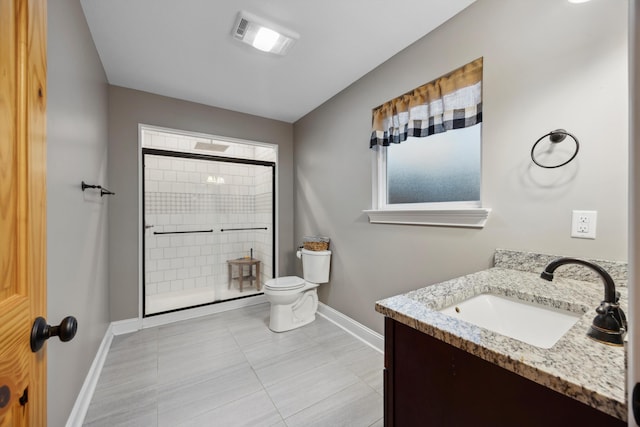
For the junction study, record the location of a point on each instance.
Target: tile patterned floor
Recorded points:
(229, 369)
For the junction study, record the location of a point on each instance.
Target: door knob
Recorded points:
(40, 332)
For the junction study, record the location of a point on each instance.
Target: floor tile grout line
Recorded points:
(251, 367)
(278, 382)
(322, 400)
(271, 399)
(242, 350)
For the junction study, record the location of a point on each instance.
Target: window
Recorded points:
(444, 168)
(427, 144)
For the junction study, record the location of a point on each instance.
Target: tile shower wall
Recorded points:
(165, 140)
(192, 194)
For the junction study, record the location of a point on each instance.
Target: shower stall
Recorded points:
(209, 219)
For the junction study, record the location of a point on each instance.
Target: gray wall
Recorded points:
(77, 275)
(547, 64)
(128, 108)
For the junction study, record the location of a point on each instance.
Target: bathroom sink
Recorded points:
(534, 324)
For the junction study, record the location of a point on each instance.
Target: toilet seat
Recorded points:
(287, 283)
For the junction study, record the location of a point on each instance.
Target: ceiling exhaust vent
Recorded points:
(262, 34)
(241, 28)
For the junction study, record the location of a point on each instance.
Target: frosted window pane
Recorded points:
(440, 168)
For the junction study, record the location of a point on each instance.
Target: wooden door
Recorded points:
(22, 209)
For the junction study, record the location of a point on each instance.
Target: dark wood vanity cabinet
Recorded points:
(430, 383)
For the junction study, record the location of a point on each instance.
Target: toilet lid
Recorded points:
(284, 283)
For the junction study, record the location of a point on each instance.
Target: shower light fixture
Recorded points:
(262, 34)
(578, 1)
(215, 179)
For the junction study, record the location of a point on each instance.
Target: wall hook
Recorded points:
(103, 191)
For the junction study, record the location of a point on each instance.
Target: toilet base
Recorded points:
(285, 317)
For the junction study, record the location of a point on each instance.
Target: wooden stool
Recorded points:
(241, 263)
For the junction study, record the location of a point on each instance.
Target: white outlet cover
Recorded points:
(583, 224)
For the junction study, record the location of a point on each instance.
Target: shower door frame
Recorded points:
(205, 157)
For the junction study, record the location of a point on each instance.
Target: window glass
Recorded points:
(441, 168)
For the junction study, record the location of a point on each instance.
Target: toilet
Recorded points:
(294, 301)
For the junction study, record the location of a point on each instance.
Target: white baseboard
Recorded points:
(127, 326)
(356, 329)
(79, 410)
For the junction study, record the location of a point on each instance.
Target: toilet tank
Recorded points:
(315, 265)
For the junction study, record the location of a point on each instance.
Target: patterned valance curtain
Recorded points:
(452, 101)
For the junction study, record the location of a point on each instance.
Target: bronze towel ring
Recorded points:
(555, 136)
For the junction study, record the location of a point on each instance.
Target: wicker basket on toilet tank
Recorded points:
(315, 243)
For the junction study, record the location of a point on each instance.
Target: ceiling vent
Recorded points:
(262, 34)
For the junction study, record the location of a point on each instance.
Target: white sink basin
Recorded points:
(532, 323)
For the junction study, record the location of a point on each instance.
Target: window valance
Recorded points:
(452, 101)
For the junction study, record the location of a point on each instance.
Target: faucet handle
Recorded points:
(605, 307)
(606, 328)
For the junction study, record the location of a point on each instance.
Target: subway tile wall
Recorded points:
(200, 195)
(166, 140)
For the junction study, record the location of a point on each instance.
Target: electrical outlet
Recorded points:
(583, 224)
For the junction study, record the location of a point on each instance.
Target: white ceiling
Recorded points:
(184, 48)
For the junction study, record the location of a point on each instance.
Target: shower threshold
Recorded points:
(168, 301)
(171, 301)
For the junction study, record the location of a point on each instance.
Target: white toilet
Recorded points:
(294, 301)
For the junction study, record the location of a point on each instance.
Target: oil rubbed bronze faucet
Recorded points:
(610, 324)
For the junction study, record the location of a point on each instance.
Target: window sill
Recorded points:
(467, 217)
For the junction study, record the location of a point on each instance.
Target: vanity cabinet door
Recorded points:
(431, 383)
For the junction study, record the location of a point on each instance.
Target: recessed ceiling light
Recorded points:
(262, 34)
(578, 1)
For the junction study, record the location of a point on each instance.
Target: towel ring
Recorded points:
(555, 136)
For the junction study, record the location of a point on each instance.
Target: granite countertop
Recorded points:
(576, 366)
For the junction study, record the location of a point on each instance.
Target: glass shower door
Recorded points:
(208, 232)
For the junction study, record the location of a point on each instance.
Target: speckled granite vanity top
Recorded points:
(576, 366)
